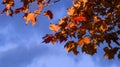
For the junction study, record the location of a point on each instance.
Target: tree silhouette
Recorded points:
(88, 24)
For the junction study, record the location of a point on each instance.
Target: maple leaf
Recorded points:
(30, 17)
(54, 27)
(61, 21)
(71, 24)
(71, 46)
(76, 4)
(70, 11)
(80, 18)
(49, 14)
(83, 41)
(9, 4)
(49, 38)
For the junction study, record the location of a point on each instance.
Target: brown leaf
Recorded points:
(71, 46)
(49, 14)
(21, 9)
(53, 40)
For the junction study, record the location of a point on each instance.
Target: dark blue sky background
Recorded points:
(21, 45)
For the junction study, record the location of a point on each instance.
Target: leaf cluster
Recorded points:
(88, 24)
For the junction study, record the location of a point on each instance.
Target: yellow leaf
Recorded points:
(54, 27)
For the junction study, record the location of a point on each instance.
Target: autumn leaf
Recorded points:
(61, 21)
(40, 5)
(49, 14)
(37, 11)
(83, 41)
(91, 31)
(21, 9)
(72, 24)
(30, 17)
(70, 11)
(71, 46)
(103, 28)
(9, 4)
(54, 27)
(76, 4)
(53, 40)
(80, 18)
(83, 29)
(89, 49)
(96, 19)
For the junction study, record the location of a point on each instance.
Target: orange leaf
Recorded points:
(86, 40)
(30, 17)
(54, 27)
(71, 24)
(71, 11)
(83, 41)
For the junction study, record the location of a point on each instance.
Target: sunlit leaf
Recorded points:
(71, 11)
(30, 17)
(83, 41)
(80, 18)
(54, 27)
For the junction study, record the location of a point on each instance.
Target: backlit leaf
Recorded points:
(83, 41)
(80, 18)
(71, 11)
(30, 17)
(54, 27)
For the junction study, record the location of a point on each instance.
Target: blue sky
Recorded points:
(21, 45)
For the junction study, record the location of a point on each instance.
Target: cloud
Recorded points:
(62, 60)
(53, 60)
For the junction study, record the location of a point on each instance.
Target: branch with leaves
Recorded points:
(88, 24)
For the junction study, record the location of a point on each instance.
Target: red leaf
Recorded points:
(80, 18)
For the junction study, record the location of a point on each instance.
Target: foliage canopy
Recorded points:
(88, 24)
